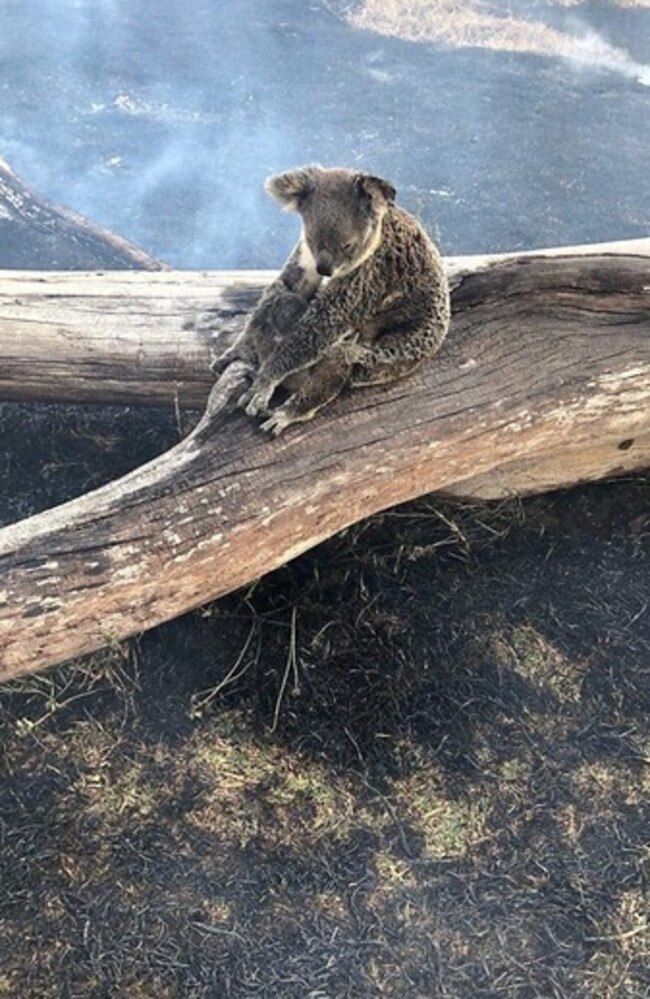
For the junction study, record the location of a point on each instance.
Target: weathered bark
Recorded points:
(138, 338)
(547, 357)
(115, 337)
(36, 234)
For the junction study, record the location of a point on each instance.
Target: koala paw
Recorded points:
(256, 400)
(276, 423)
(355, 353)
(219, 364)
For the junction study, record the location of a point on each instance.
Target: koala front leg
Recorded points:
(281, 306)
(277, 311)
(328, 319)
(242, 350)
(322, 384)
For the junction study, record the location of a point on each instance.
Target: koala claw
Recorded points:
(245, 398)
(276, 423)
(255, 401)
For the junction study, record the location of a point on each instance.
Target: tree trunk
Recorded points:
(147, 339)
(34, 234)
(543, 380)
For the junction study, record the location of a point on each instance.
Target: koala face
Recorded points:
(341, 212)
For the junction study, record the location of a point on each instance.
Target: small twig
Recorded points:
(641, 928)
(220, 930)
(231, 675)
(179, 419)
(292, 664)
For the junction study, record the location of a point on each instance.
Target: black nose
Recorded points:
(324, 263)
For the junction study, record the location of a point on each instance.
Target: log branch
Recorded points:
(548, 360)
(35, 233)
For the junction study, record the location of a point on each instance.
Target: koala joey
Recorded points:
(362, 300)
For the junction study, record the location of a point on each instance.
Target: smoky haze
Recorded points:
(160, 120)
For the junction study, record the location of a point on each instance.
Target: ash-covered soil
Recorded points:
(413, 763)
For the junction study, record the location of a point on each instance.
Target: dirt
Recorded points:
(413, 763)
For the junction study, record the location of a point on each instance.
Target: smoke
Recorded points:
(592, 50)
(153, 119)
(161, 120)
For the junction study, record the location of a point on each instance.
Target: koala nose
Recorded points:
(324, 263)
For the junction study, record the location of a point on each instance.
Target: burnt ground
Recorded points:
(413, 763)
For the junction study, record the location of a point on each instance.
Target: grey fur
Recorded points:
(383, 311)
(278, 311)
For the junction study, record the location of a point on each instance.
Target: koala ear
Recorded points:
(292, 187)
(375, 187)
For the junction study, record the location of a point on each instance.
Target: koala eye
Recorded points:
(304, 195)
(348, 246)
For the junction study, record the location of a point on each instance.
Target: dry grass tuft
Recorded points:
(489, 24)
(447, 826)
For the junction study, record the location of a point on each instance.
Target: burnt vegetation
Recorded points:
(412, 763)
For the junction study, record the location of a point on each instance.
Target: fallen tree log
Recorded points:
(35, 234)
(146, 339)
(548, 360)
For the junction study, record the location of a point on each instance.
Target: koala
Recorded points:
(362, 300)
